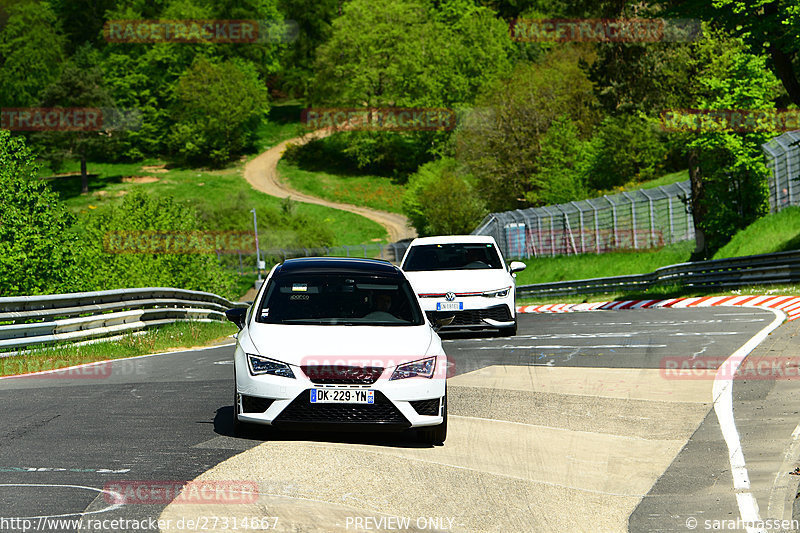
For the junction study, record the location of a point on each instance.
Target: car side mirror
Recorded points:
(517, 266)
(442, 322)
(237, 315)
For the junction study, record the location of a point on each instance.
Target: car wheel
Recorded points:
(509, 332)
(436, 435)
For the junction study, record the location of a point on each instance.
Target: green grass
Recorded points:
(377, 192)
(585, 266)
(777, 232)
(165, 338)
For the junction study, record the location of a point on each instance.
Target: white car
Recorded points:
(339, 344)
(465, 277)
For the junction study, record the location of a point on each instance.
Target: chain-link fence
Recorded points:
(783, 160)
(639, 219)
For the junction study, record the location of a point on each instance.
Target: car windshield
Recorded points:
(340, 299)
(473, 256)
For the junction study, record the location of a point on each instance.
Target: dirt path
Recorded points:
(262, 174)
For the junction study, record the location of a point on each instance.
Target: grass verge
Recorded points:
(166, 338)
(377, 192)
(777, 232)
(586, 266)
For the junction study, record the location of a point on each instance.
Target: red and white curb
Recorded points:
(788, 304)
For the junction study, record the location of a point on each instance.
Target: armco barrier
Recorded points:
(766, 269)
(27, 321)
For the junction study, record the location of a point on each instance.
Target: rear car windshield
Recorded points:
(474, 256)
(340, 299)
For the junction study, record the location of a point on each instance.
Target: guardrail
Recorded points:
(781, 267)
(27, 321)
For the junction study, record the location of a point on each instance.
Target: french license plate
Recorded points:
(449, 306)
(342, 396)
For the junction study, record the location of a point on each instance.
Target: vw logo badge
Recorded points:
(450, 296)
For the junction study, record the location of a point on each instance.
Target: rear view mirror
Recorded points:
(517, 266)
(237, 315)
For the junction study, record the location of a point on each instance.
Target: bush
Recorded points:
(38, 245)
(141, 212)
(627, 148)
(219, 109)
(439, 201)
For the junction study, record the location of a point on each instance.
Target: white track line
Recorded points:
(723, 407)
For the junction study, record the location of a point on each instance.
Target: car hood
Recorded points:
(439, 281)
(299, 344)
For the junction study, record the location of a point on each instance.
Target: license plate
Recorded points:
(449, 306)
(342, 396)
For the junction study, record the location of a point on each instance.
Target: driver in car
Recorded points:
(381, 304)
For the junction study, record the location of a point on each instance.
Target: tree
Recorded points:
(408, 53)
(39, 247)
(218, 109)
(440, 201)
(80, 85)
(767, 26)
(31, 53)
(727, 169)
(501, 144)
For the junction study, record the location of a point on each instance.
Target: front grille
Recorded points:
(253, 404)
(301, 410)
(473, 317)
(426, 407)
(342, 375)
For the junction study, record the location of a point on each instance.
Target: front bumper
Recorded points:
(496, 316)
(285, 402)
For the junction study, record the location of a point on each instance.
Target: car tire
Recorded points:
(509, 332)
(436, 435)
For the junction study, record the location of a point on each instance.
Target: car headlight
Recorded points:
(423, 368)
(262, 365)
(502, 293)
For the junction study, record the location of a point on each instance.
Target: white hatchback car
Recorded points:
(339, 344)
(465, 277)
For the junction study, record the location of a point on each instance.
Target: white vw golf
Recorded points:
(465, 277)
(339, 344)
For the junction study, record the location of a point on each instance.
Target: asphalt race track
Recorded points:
(572, 425)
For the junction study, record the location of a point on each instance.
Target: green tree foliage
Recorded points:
(104, 268)
(82, 20)
(38, 245)
(441, 201)
(80, 85)
(771, 27)
(502, 143)
(728, 172)
(31, 53)
(313, 19)
(562, 165)
(218, 109)
(408, 53)
(626, 148)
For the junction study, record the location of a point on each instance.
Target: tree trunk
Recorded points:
(784, 68)
(84, 176)
(697, 205)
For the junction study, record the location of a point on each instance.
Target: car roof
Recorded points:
(453, 239)
(330, 265)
